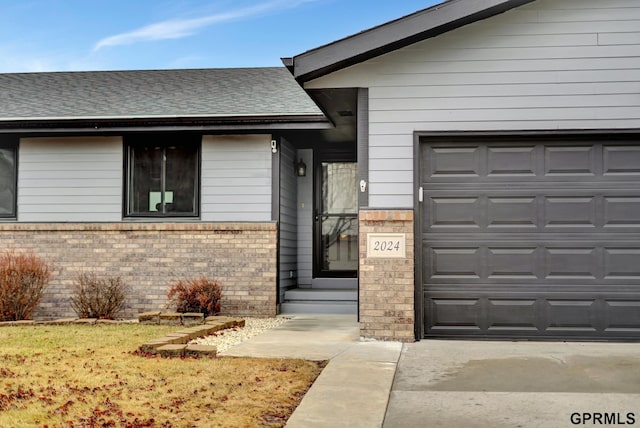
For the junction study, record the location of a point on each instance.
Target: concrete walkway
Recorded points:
(353, 390)
(448, 383)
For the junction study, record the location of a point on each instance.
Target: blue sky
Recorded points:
(78, 35)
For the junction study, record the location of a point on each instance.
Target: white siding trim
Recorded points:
(70, 179)
(236, 178)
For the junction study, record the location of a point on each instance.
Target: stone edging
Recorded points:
(177, 344)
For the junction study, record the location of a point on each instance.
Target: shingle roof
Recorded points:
(227, 92)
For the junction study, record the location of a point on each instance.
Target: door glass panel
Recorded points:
(339, 216)
(339, 188)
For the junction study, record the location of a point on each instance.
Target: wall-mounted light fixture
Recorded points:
(301, 169)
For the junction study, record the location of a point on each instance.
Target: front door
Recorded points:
(337, 220)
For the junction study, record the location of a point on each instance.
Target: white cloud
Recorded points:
(179, 28)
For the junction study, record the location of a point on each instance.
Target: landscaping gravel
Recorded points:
(225, 339)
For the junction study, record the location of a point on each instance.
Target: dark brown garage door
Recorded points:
(525, 238)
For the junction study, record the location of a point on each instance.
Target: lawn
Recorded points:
(89, 376)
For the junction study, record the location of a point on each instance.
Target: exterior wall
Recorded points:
(242, 256)
(288, 219)
(550, 64)
(305, 221)
(70, 192)
(70, 179)
(80, 179)
(236, 178)
(386, 294)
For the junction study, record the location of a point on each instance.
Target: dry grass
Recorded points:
(87, 376)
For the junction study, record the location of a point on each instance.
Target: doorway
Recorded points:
(336, 220)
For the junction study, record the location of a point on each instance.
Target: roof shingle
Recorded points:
(222, 92)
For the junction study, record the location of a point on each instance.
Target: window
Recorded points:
(162, 176)
(8, 174)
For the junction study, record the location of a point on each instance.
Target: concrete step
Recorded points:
(320, 294)
(327, 307)
(340, 283)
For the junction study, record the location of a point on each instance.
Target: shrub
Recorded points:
(196, 295)
(95, 297)
(23, 279)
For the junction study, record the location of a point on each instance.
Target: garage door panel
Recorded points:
(512, 314)
(456, 263)
(509, 212)
(570, 211)
(542, 262)
(570, 160)
(509, 162)
(553, 211)
(622, 263)
(512, 263)
(455, 161)
(564, 314)
(455, 212)
(621, 160)
(461, 314)
(531, 315)
(623, 316)
(621, 211)
(571, 262)
(546, 162)
(531, 239)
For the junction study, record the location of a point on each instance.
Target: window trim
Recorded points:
(163, 140)
(12, 142)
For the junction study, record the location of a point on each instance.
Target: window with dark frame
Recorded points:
(8, 177)
(162, 176)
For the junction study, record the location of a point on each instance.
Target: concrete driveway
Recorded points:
(442, 383)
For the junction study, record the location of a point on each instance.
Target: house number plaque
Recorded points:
(386, 245)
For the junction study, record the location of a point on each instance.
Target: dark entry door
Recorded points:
(531, 238)
(336, 220)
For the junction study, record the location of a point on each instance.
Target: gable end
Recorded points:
(394, 35)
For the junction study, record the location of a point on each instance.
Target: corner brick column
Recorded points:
(387, 284)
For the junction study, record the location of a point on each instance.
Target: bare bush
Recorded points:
(95, 297)
(23, 279)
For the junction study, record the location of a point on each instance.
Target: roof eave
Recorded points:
(226, 124)
(394, 35)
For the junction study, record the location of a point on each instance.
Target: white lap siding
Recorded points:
(236, 178)
(551, 64)
(70, 179)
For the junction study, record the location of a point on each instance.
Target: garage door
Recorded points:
(525, 238)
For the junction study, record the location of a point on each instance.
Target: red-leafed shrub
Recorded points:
(95, 297)
(196, 295)
(23, 279)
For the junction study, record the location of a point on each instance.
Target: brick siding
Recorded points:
(387, 285)
(241, 256)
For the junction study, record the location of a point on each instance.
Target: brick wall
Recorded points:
(241, 256)
(387, 284)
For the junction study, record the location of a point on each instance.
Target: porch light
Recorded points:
(301, 168)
